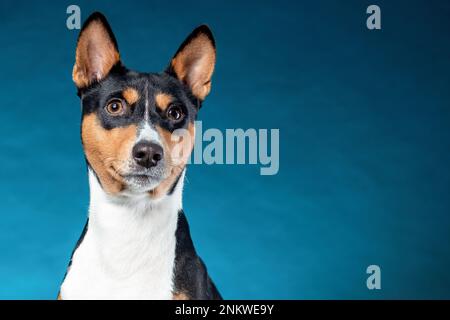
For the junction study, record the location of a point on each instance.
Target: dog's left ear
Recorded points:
(193, 64)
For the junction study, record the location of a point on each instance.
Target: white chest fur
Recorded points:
(128, 251)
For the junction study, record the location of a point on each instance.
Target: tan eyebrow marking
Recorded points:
(163, 100)
(131, 95)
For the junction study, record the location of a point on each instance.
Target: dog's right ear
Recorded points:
(96, 53)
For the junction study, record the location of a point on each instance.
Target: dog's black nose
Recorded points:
(147, 154)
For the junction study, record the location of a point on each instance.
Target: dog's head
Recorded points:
(138, 128)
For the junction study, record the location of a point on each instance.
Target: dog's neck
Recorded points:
(131, 211)
(130, 243)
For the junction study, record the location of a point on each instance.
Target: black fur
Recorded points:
(191, 276)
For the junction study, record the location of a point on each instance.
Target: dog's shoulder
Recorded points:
(191, 279)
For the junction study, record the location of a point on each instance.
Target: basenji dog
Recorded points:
(136, 243)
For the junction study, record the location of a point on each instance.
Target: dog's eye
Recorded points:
(115, 107)
(175, 113)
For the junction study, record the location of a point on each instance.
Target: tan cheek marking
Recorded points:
(107, 151)
(131, 95)
(180, 296)
(163, 100)
(175, 169)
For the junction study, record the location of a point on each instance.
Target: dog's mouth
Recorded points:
(142, 176)
(139, 180)
(143, 181)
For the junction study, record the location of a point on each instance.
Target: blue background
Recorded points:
(365, 144)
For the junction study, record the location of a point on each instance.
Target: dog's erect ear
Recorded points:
(96, 53)
(193, 64)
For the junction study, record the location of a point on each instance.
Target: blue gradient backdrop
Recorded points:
(365, 144)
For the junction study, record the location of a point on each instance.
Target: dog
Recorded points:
(136, 243)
